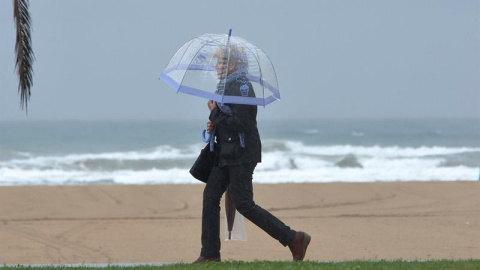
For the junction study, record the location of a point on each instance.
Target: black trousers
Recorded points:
(240, 177)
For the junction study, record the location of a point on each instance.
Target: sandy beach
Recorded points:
(161, 223)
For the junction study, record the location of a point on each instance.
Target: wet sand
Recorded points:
(161, 223)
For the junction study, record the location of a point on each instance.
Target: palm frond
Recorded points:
(23, 50)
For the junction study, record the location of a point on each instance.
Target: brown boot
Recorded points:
(299, 245)
(202, 259)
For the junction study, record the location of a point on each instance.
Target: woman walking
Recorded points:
(237, 151)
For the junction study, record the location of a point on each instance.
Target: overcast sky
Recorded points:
(334, 59)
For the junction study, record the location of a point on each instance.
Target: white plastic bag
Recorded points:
(239, 231)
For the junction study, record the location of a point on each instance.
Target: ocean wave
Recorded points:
(282, 161)
(60, 177)
(164, 152)
(376, 150)
(286, 175)
(336, 174)
(271, 148)
(349, 161)
(471, 159)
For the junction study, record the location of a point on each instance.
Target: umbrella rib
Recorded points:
(274, 73)
(203, 46)
(205, 42)
(261, 77)
(257, 57)
(179, 61)
(210, 41)
(227, 51)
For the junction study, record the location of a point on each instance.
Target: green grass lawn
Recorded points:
(349, 265)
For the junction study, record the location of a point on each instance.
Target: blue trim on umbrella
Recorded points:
(188, 90)
(264, 83)
(216, 97)
(164, 77)
(252, 78)
(249, 100)
(190, 67)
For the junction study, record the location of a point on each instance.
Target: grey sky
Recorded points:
(334, 59)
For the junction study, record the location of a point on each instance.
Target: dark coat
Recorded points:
(228, 150)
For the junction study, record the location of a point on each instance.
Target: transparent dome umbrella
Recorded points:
(204, 65)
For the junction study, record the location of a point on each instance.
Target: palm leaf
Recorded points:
(23, 50)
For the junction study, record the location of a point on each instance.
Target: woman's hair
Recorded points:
(237, 56)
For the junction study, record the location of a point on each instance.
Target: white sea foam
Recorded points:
(181, 176)
(56, 177)
(159, 153)
(283, 161)
(335, 174)
(391, 151)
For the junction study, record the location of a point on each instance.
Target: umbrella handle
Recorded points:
(206, 140)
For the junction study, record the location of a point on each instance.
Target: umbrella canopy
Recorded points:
(204, 65)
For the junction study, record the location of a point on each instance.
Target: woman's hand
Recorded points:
(211, 104)
(210, 127)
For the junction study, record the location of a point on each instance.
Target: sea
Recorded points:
(293, 151)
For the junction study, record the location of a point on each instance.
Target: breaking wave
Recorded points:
(282, 161)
